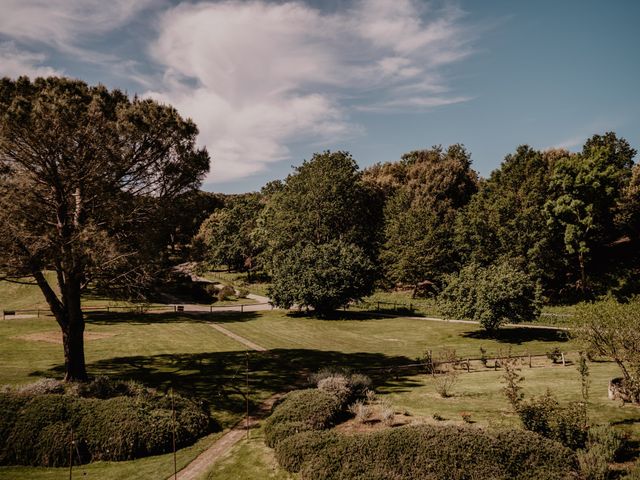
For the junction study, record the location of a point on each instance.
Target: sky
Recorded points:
(271, 82)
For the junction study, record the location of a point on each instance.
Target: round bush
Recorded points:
(38, 429)
(280, 431)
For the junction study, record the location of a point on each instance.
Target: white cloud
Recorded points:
(256, 76)
(60, 22)
(15, 62)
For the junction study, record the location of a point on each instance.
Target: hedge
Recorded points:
(36, 430)
(426, 452)
(310, 409)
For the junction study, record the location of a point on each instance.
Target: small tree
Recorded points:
(490, 295)
(323, 277)
(612, 329)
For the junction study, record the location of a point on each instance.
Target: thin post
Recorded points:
(495, 364)
(210, 308)
(173, 421)
(175, 308)
(529, 360)
(468, 365)
(563, 362)
(38, 313)
(71, 457)
(241, 308)
(247, 394)
(411, 307)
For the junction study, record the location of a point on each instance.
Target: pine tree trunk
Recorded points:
(73, 334)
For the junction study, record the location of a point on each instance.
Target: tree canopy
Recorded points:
(323, 208)
(84, 173)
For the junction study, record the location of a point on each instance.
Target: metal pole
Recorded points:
(247, 394)
(71, 457)
(173, 419)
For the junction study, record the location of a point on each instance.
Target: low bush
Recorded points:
(279, 431)
(36, 430)
(609, 440)
(594, 464)
(225, 292)
(312, 407)
(427, 452)
(566, 424)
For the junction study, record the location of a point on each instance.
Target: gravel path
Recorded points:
(203, 462)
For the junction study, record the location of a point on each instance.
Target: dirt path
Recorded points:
(238, 338)
(203, 462)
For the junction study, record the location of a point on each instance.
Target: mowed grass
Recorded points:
(404, 337)
(250, 459)
(481, 395)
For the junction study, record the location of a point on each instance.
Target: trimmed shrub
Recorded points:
(37, 430)
(314, 408)
(292, 452)
(281, 431)
(427, 452)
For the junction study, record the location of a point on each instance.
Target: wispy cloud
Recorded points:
(64, 24)
(15, 62)
(256, 75)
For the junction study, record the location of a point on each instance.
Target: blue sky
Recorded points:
(269, 83)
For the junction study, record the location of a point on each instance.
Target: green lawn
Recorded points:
(249, 459)
(183, 351)
(394, 337)
(481, 394)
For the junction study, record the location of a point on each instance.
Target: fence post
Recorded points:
(175, 308)
(210, 308)
(468, 365)
(529, 360)
(241, 308)
(563, 362)
(495, 364)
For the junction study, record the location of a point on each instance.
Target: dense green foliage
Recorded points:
(323, 277)
(37, 430)
(319, 230)
(302, 410)
(491, 295)
(426, 452)
(423, 192)
(227, 236)
(569, 221)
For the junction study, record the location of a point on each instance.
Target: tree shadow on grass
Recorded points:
(519, 335)
(220, 377)
(110, 318)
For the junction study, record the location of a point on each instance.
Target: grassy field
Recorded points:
(183, 351)
(404, 338)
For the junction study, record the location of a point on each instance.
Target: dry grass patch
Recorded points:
(55, 336)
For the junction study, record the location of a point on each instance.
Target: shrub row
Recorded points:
(300, 411)
(426, 452)
(37, 430)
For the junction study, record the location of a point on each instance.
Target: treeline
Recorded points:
(569, 222)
